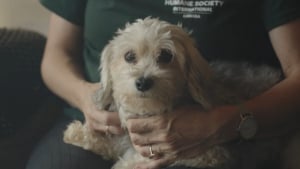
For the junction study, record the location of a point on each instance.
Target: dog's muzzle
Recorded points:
(143, 84)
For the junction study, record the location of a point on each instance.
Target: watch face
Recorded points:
(248, 128)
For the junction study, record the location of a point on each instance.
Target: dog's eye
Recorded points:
(130, 57)
(165, 56)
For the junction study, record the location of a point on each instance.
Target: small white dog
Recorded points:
(152, 66)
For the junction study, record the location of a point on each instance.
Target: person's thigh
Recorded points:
(53, 153)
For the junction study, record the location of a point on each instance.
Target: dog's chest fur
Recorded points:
(139, 106)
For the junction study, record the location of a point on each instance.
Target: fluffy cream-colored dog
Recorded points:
(151, 66)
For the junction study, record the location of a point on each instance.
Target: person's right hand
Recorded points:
(98, 120)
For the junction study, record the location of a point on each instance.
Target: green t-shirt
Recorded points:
(223, 29)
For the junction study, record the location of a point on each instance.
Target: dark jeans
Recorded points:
(53, 153)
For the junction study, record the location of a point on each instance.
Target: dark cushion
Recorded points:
(21, 87)
(27, 108)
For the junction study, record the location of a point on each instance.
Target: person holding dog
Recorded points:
(264, 32)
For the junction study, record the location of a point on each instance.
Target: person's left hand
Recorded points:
(184, 133)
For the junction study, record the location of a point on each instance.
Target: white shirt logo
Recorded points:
(193, 9)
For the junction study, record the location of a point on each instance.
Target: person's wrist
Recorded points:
(84, 94)
(226, 119)
(248, 126)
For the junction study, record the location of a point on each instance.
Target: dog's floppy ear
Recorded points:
(197, 69)
(199, 75)
(103, 96)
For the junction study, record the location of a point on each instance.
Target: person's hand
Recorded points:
(99, 120)
(184, 133)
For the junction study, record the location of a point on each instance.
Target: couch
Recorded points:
(27, 108)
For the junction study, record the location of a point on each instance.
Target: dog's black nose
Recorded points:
(143, 84)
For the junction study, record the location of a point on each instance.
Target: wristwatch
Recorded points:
(248, 124)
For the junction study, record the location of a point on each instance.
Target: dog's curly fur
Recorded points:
(164, 53)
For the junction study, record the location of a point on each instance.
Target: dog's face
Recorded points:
(151, 60)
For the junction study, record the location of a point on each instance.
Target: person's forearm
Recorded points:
(62, 62)
(63, 75)
(277, 112)
(278, 109)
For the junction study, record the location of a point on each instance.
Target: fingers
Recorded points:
(155, 151)
(105, 117)
(116, 130)
(107, 129)
(139, 126)
(146, 125)
(152, 138)
(99, 120)
(105, 122)
(167, 156)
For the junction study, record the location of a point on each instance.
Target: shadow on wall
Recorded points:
(27, 14)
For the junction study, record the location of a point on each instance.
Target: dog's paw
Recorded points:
(74, 134)
(80, 135)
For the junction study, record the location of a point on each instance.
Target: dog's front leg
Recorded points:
(80, 135)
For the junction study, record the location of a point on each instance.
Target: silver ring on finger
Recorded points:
(107, 130)
(151, 152)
